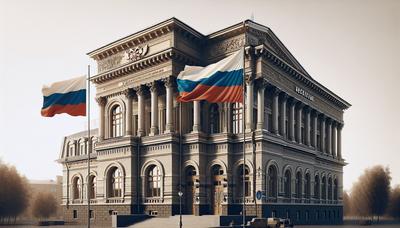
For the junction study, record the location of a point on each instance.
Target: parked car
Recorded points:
(279, 223)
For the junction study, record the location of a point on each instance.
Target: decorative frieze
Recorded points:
(130, 55)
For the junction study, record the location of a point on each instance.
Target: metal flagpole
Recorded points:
(89, 148)
(244, 132)
(180, 165)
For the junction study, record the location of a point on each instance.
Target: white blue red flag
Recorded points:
(67, 96)
(218, 82)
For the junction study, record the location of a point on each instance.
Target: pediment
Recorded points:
(260, 34)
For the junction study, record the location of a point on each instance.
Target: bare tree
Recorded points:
(394, 205)
(370, 194)
(14, 193)
(44, 205)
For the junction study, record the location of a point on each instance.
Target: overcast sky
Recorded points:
(351, 47)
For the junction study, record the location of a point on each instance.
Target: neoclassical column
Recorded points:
(196, 116)
(329, 137)
(260, 104)
(154, 108)
(292, 107)
(298, 121)
(322, 133)
(314, 128)
(334, 127)
(129, 94)
(249, 103)
(140, 90)
(307, 129)
(339, 141)
(275, 111)
(169, 84)
(101, 101)
(282, 110)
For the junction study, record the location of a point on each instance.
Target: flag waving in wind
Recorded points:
(67, 96)
(218, 82)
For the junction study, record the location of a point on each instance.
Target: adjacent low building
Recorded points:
(293, 129)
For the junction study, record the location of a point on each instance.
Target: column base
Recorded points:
(196, 128)
(169, 128)
(141, 133)
(153, 131)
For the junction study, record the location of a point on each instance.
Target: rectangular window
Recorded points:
(91, 214)
(75, 214)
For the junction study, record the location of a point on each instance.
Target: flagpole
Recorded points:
(180, 165)
(244, 132)
(89, 148)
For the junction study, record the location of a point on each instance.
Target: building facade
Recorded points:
(293, 128)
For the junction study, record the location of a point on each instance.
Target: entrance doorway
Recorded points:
(217, 189)
(190, 189)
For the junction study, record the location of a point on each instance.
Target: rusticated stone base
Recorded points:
(101, 213)
(306, 214)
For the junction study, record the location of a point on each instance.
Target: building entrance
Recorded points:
(190, 189)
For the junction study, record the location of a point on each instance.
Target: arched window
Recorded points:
(114, 182)
(272, 181)
(237, 118)
(330, 185)
(116, 121)
(323, 187)
(307, 190)
(92, 185)
(316, 187)
(335, 190)
(299, 182)
(240, 180)
(288, 184)
(153, 182)
(76, 188)
(214, 119)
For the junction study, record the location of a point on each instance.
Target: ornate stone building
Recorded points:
(293, 133)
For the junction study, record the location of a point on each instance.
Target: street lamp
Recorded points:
(180, 193)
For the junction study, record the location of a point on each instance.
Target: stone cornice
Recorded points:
(267, 54)
(144, 63)
(145, 35)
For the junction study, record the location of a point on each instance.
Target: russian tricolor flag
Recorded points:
(67, 96)
(219, 82)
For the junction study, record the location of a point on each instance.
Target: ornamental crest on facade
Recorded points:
(137, 53)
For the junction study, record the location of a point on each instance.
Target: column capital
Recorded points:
(153, 86)
(140, 90)
(300, 105)
(169, 81)
(339, 125)
(101, 100)
(129, 93)
(284, 96)
(307, 109)
(276, 91)
(314, 112)
(329, 120)
(322, 116)
(249, 79)
(261, 83)
(291, 101)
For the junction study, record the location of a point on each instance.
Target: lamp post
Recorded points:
(180, 193)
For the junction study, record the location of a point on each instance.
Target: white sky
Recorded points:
(350, 47)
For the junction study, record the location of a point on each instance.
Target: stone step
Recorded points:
(191, 221)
